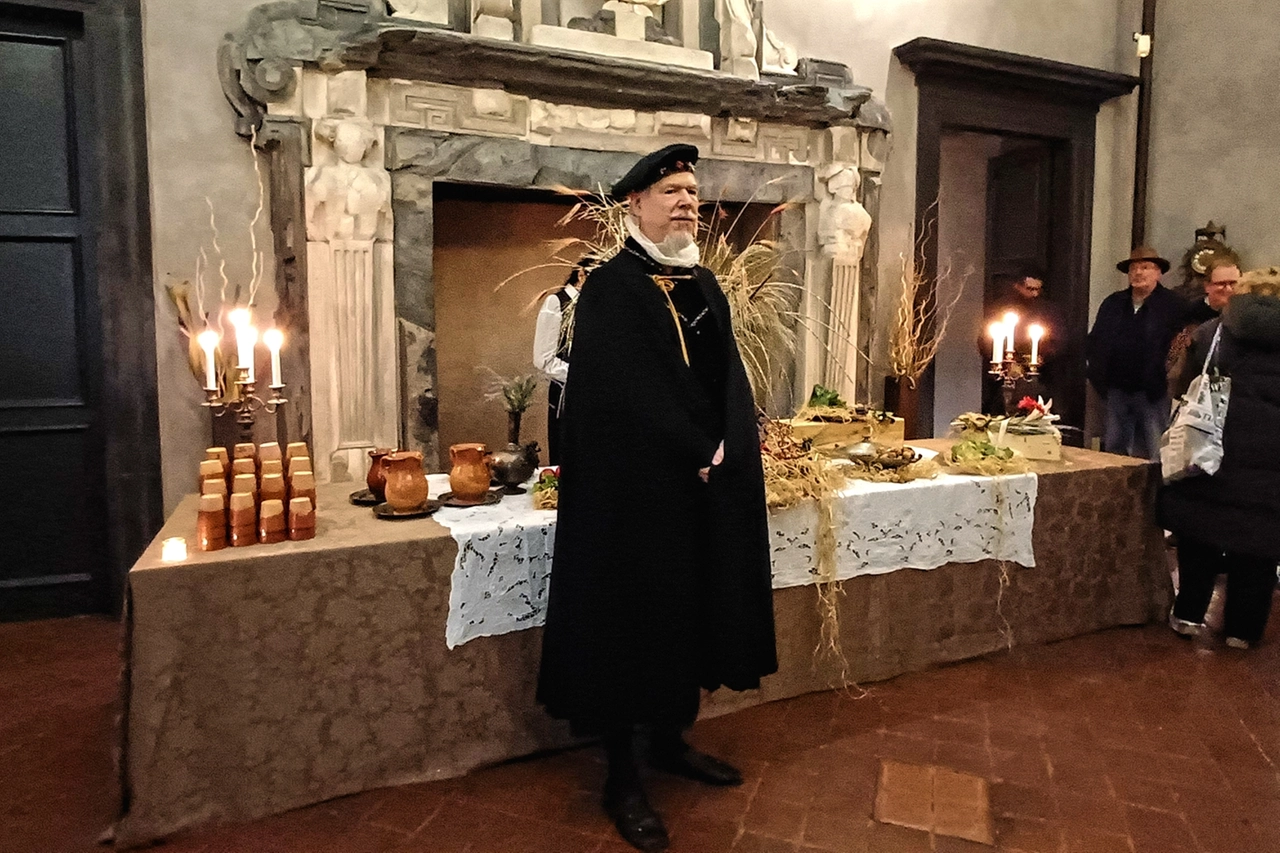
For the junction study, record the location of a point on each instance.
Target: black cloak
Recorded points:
(660, 583)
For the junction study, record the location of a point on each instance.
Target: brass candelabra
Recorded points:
(246, 404)
(1009, 371)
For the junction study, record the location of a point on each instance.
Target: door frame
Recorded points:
(966, 88)
(118, 282)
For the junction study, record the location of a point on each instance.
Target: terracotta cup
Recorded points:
(296, 448)
(377, 477)
(272, 488)
(271, 466)
(406, 487)
(211, 523)
(469, 477)
(302, 519)
(270, 450)
(271, 523)
(245, 450)
(214, 488)
(219, 454)
(299, 463)
(211, 469)
(243, 519)
(244, 465)
(245, 483)
(303, 485)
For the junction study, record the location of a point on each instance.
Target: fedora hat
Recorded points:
(1143, 253)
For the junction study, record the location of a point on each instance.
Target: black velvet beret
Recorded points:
(654, 167)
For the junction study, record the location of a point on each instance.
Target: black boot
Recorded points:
(624, 799)
(671, 754)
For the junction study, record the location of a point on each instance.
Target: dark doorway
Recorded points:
(1053, 107)
(69, 526)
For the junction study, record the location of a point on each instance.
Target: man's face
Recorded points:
(1220, 285)
(1029, 288)
(1143, 277)
(670, 206)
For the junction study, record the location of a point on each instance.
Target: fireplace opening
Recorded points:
(483, 236)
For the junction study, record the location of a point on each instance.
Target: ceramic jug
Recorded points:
(469, 477)
(406, 487)
(377, 478)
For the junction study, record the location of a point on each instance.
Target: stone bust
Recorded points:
(843, 223)
(347, 200)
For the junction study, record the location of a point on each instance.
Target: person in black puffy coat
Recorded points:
(1230, 522)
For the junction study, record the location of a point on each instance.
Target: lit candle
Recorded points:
(274, 339)
(246, 338)
(173, 550)
(1037, 332)
(996, 331)
(208, 340)
(1011, 324)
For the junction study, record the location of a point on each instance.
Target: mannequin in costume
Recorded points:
(660, 584)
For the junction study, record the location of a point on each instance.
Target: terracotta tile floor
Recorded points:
(1126, 740)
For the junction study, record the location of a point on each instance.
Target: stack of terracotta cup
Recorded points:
(259, 494)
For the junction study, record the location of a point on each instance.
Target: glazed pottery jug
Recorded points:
(469, 477)
(514, 465)
(377, 479)
(406, 487)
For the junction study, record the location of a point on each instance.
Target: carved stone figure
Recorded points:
(779, 57)
(432, 11)
(843, 223)
(348, 200)
(493, 19)
(350, 297)
(738, 39)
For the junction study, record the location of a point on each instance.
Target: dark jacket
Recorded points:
(660, 583)
(1126, 349)
(1176, 362)
(1238, 508)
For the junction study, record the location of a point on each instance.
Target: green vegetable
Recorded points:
(823, 396)
(975, 449)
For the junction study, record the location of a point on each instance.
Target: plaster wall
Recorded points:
(1215, 153)
(193, 155)
(863, 33)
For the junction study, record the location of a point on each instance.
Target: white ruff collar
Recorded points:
(689, 256)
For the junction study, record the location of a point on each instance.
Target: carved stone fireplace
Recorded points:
(362, 112)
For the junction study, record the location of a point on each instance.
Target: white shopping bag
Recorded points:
(1193, 442)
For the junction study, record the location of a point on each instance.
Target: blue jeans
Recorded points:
(1135, 424)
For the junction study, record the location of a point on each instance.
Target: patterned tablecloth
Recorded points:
(501, 574)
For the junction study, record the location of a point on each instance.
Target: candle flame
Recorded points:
(239, 317)
(996, 330)
(1036, 331)
(1010, 319)
(273, 338)
(208, 340)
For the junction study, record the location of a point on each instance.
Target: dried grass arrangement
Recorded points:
(921, 320)
(763, 293)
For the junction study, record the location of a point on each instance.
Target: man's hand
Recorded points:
(705, 473)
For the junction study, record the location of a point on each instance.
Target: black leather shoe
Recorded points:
(697, 766)
(637, 822)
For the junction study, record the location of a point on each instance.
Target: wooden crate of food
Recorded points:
(826, 433)
(1044, 447)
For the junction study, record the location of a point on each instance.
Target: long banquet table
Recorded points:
(267, 678)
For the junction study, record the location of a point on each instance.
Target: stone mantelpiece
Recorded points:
(440, 105)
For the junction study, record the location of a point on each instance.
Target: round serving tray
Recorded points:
(384, 511)
(490, 498)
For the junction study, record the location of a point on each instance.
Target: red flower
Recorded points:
(1026, 404)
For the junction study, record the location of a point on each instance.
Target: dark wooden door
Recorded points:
(53, 548)
(1019, 215)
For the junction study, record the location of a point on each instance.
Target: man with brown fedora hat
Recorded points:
(1126, 352)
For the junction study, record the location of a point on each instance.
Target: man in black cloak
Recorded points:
(661, 578)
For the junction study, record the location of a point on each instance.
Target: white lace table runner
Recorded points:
(501, 574)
